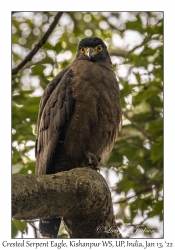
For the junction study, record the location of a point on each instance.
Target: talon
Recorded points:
(92, 160)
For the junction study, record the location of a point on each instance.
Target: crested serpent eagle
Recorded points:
(79, 116)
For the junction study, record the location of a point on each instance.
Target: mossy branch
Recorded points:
(81, 196)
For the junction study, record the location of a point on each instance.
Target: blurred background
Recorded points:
(134, 171)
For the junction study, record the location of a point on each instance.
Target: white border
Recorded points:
(5, 95)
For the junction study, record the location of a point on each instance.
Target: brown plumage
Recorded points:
(80, 112)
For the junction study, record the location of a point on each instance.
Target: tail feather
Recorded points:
(49, 227)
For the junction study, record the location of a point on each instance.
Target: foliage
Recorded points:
(135, 42)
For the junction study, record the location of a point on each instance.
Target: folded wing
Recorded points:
(56, 107)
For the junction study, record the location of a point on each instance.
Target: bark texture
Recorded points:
(81, 196)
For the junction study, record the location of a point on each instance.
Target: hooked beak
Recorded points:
(90, 53)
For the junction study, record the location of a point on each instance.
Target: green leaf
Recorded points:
(14, 230)
(63, 236)
(16, 168)
(156, 127)
(19, 225)
(136, 25)
(37, 70)
(157, 150)
(48, 46)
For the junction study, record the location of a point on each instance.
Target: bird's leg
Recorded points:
(92, 160)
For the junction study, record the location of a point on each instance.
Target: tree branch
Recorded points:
(81, 196)
(35, 229)
(132, 196)
(147, 135)
(38, 45)
(121, 53)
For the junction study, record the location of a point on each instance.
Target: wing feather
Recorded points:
(55, 108)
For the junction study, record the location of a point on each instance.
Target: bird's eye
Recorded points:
(82, 50)
(99, 48)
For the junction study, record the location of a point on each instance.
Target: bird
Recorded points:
(79, 117)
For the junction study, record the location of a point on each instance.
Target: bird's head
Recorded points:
(93, 49)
